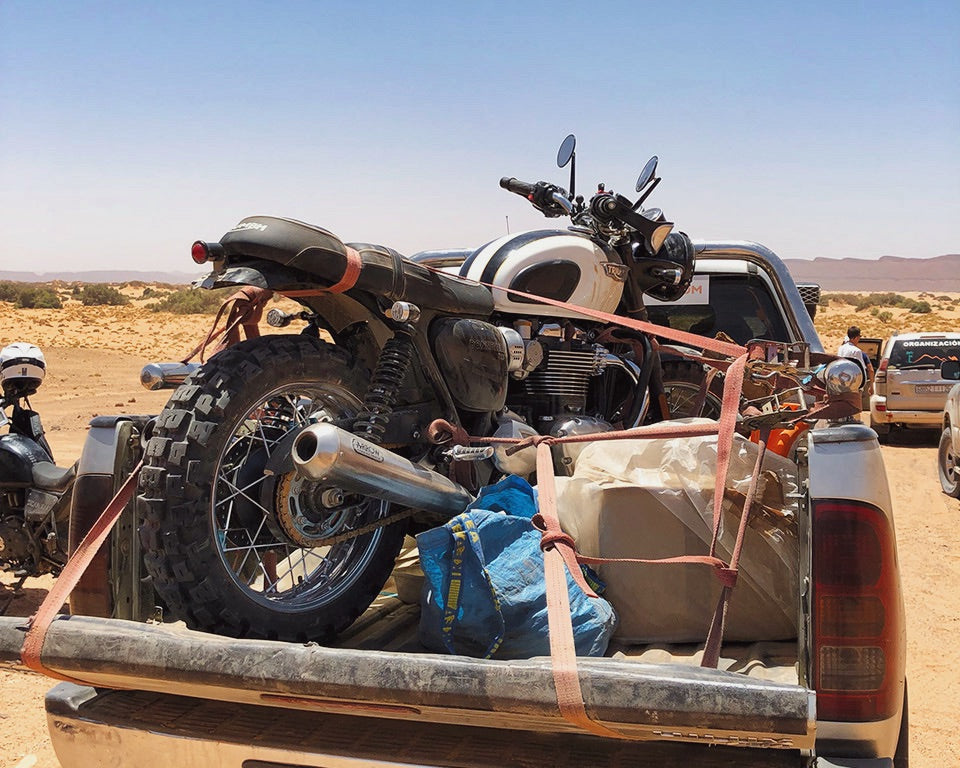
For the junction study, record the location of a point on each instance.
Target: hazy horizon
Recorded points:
(131, 130)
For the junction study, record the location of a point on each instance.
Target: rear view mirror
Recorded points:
(567, 148)
(950, 370)
(647, 174)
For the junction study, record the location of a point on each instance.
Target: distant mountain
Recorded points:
(940, 274)
(102, 276)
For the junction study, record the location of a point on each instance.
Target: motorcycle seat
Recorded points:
(320, 255)
(47, 476)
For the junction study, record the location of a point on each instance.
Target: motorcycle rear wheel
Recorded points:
(231, 548)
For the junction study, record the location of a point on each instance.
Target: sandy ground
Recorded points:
(94, 355)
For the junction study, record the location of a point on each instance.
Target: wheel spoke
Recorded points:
(253, 543)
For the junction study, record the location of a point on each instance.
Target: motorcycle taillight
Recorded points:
(202, 252)
(858, 627)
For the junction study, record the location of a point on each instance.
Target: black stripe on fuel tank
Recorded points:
(465, 267)
(490, 271)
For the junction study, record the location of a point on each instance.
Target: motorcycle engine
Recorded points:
(546, 378)
(14, 542)
(578, 387)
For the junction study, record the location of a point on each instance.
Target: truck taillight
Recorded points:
(858, 629)
(881, 377)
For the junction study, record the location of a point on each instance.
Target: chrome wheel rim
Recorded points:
(265, 525)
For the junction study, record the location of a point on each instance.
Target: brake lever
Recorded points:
(563, 202)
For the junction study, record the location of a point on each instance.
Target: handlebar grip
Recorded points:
(516, 186)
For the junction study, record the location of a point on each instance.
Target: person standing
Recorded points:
(851, 348)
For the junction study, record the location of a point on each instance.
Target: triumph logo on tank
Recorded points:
(365, 449)
(618, 272)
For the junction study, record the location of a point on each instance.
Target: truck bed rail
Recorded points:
(642, 700)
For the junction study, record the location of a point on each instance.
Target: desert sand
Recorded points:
(94, 355)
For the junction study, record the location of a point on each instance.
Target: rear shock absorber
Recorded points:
(371, 421)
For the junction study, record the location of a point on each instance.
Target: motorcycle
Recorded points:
(284, 473)
(35, 493)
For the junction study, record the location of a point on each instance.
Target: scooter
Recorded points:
(35, 493)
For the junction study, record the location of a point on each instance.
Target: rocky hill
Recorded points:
(940, 274)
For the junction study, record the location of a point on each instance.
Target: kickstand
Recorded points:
(15, 592)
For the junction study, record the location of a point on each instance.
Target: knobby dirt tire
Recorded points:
(194, 488)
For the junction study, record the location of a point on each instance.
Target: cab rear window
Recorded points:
(923, 353)
(739, 305)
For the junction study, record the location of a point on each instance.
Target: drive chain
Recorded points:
(364, 529)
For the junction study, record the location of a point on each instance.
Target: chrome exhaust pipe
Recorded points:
(166, 375)
(324, 452)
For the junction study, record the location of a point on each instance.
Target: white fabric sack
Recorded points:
(654, 499)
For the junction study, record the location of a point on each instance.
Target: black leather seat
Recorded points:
(47, 476)
(322, 255)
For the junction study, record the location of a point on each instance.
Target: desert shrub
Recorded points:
(9, 291)
(150, 293)
(38, 297)
(874, 311)
(841, 298)
(885, 316)
(879, 300)
(98, 294)
(920, 308)
(192, 301)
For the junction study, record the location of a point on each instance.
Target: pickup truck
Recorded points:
(149, 693)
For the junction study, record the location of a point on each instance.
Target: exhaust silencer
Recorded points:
(324, 452)
(166, 375)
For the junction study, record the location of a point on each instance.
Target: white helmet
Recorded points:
(22, 368)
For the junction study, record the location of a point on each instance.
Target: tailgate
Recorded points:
(652, 701)
(916, 389)
(152, 730)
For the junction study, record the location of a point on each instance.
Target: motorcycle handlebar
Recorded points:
(517, 187)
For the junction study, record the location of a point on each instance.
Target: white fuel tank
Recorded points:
(557, 264)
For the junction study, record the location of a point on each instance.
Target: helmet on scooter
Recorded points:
(22, 368)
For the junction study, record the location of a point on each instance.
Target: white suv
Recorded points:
(908, 387)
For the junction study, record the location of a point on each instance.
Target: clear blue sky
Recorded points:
(128, 130)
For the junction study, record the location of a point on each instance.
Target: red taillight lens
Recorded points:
(202, 252)
(199, 252)
(858, 634)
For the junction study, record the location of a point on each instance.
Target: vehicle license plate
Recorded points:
(932, 389)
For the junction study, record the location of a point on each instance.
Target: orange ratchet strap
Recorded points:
(351, 273)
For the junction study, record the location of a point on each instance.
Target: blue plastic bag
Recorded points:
(485, 593)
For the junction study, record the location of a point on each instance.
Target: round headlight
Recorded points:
(843, 375)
